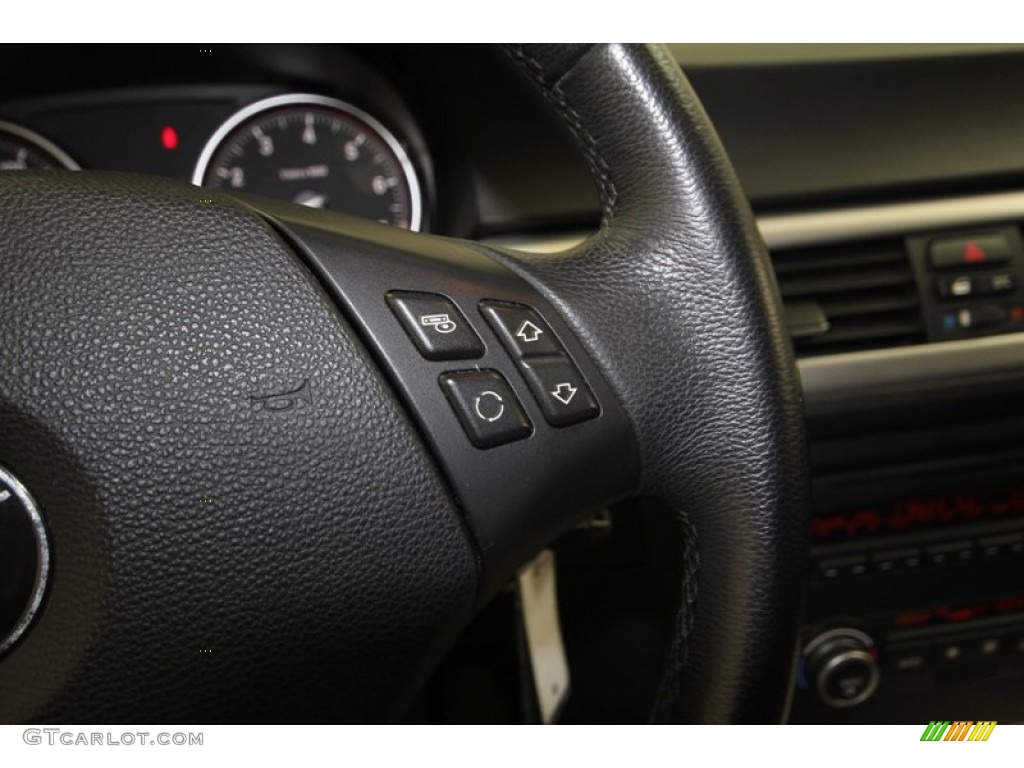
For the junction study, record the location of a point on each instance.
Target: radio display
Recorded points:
(920, 513)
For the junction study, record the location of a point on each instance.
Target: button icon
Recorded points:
(961, 286)
(529, 332)
(851, 686)
(910, 662)
(974, 253)
(440, 323)
(489, 406)
(435, 325)
(485, 406)
(564, 392)
(1001, 283)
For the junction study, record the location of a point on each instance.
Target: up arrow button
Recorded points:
(521, 329)
(557, 384)
(529, 332)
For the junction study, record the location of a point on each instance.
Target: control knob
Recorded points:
(841, 667)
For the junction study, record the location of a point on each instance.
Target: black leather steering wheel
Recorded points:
(261, 498)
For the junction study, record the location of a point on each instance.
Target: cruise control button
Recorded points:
(486, 407)
(981, 250)
(435, 325)
(520, 329)
(559, 387)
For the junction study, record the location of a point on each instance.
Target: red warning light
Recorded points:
(973, 253)
(169, 137)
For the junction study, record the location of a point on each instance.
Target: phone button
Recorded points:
(435, 325)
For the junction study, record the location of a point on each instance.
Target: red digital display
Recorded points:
(945, 614)
(916, 514)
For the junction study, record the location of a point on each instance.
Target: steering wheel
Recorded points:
(282, 455)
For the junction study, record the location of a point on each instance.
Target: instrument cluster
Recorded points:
(312, 149)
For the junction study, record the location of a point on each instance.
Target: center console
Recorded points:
(908, 335)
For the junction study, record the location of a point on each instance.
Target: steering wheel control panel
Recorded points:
(523, 424)
(556, 382)
(970, 282)
(482, 400)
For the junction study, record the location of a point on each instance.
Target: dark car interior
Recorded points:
(885, 182)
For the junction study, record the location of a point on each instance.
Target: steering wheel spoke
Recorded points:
(522, 422)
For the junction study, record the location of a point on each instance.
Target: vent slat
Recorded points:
(880, 329)
(865, 291)
(798, 286)
(821, 260)
(848, 306)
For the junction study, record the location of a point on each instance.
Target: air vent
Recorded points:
(841, 298)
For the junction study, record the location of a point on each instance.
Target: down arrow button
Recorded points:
(563, 395)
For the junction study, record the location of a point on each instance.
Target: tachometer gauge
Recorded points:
(22, 150)
(315, 151)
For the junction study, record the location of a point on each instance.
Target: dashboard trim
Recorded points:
(900, 219)
(793, 230)
(834, 376)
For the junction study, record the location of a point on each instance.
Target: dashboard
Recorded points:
(450, 128)
(887, 183)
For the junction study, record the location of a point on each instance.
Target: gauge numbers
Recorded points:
(318, 152)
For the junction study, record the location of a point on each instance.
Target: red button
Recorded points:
(959, 252)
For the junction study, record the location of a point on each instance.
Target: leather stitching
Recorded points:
(551, 89)
(698, 249)
(669, 693)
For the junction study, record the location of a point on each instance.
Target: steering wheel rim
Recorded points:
(729, 454)
(381, 558)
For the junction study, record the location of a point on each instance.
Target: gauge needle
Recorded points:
(310, 199)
